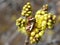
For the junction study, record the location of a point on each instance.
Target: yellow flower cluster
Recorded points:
(51, 20)
(21, 23)
(44, 19)
(27, 10)
(45, 7)
(36, 35)
(37, 25)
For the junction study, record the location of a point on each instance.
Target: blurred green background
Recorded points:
(10, 10)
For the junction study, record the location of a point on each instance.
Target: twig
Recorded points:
(26, 40)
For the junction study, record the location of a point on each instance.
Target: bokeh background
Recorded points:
(10, 10)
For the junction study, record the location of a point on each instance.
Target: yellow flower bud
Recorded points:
(37, 36)
(29, 6)
(36, 30)
(43, 27)
(50, 27)
(32, 41)
(42, 12)
(17, 23)
(27, 14)
(22, 25)
(25, 6)
(32, 33)
(20, 19)
(41, 33)
(49, 20)
(54, 17)
(22, 13)
(24, 20)
(26, 9)
(31, 38)
(44, 23)
(49, 15)
(49, 23)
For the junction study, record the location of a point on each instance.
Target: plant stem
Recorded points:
(26, 40)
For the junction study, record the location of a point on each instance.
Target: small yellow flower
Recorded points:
(49, 20)
(41, 33)
(31, 38)
(37, 36)
(54, 17)
(49, 23)
(36, 30)
(32, 33)
(27, 10)
(33, 41)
